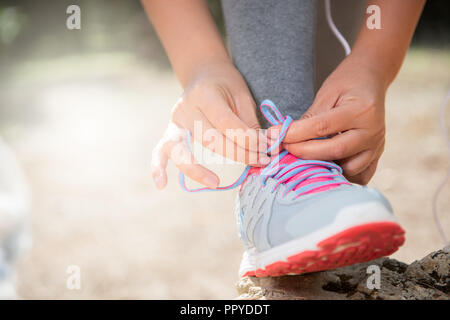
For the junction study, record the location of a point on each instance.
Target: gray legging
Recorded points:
(284, 49)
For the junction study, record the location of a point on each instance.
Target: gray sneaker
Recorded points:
(297, 216)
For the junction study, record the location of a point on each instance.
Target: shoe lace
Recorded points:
(300, 176)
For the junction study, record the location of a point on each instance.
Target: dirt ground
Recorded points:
(83, 131)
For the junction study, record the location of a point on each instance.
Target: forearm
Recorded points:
(383, 50)
(188, 34)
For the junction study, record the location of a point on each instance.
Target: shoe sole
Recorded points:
(354, 245)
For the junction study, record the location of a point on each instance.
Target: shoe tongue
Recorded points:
(288, 159)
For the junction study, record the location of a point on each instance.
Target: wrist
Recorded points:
(380, 70)
(208, 66)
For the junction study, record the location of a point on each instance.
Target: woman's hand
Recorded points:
(349, 110)
(349, 107)
(220, 113)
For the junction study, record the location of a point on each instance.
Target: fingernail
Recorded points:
(211, 182)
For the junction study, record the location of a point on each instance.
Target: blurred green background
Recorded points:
(82, 110)
(34, 32)
(35, 29)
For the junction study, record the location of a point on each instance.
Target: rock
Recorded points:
(428, 278)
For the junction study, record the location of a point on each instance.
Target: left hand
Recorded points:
(349, 109)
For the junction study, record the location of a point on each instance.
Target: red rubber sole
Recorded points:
(354, 245)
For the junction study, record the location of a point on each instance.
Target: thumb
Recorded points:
(246, 110)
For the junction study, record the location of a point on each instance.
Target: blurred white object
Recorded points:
(14, 208)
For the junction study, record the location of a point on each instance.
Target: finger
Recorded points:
(364, 177)
(338, 147)
(275, 132)
(367, 174)
(255, 141)
(361, 161)
(185, 161)
(246, 110)
(322, 125)
(357, 163)
(217, 110)
(158, 167)
(172, 134)
(203, 131)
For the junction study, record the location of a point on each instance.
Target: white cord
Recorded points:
(447, 176)
(334, 29)
(347, 49)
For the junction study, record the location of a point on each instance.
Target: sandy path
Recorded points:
(86, 145)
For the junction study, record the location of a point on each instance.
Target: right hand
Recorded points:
(218, 98)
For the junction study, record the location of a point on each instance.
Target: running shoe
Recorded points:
(298, 216)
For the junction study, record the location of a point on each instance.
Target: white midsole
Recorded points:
(348, 217)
